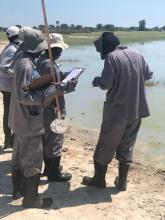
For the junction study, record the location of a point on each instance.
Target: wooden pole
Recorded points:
(53, 73)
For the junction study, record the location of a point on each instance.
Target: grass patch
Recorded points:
(3, 37)
(124, 36)
(69, 60)
(152, 83)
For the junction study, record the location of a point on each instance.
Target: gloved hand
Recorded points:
(73, 82)
(63, 75)
(50, 93)
(68, 87)
(95, 81)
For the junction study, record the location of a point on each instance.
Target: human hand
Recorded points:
(73, 81)
(95, 81)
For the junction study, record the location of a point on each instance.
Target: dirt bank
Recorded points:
(145, 198)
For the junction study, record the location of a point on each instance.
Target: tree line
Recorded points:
(72, 28)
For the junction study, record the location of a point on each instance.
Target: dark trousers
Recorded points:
(117, 137)
(6, 129)
(28, 155)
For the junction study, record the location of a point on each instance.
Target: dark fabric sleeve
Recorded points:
(106, 81)
(37, 97)
(63, 75)
(62, 106)
(45, 68)
(5, 65)
(147, 72)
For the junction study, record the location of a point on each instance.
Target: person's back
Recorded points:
(53, 141)
(43, 66)
(24, 119)
(127, 96)
(6, 75)
(123, 75)
(26, 114)
(6, 58)
(6, 55)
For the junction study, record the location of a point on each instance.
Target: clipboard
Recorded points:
(74, 73)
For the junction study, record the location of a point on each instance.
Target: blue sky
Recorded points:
(84, 12)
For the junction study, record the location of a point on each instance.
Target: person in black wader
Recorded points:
(53, 142)
(26, 122)
(124, 74)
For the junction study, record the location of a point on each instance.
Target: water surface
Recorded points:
(85, 105)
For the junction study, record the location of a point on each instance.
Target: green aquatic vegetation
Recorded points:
(152, 83)
(154, 144)
(69, 60)
(3, 37)
(125, 37)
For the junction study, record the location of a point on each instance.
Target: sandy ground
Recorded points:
(144, 199)
(2, 45)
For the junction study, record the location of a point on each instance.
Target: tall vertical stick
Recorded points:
(53, 73)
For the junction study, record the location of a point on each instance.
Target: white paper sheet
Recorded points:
(74, 73)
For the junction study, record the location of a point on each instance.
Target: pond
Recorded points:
(85, 105)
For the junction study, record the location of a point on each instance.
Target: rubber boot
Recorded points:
(54, 172)
(45, 172)
(98, 180)
(121, 180)
(17, 180)
(31, 198)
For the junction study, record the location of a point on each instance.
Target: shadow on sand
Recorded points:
(61, 193)
(64, 197)
(6, 208)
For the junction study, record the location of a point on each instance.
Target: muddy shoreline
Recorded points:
(144, 199)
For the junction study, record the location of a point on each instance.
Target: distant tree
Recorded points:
(120, 28)
(87, 29)
(91, 29)
(2, 29)
(72, 25)
(109, 27)
(57, 23)
(163, 28)
(52, 28)
(142, 25)
(41, 27)
(156, 28)
(19, 26)
(34, 27)
(64, 26)
(99, 27)
(79, 27)
(132, 28)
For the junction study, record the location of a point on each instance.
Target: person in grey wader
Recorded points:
(6, 59)
(124, 74)
(26, 122)
(52, 141)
